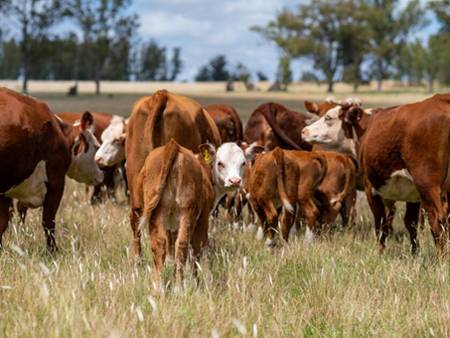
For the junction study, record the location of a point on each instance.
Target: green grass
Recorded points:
(338, 286)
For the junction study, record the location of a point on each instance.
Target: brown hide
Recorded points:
(272, 125)
(227, 121)
(153, 122)
(172, 182)
(319, 109)
(31, 133)
(413, 137)
(274, 178)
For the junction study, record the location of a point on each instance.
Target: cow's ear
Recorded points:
(252, 152)
(311, 107)
(207, 151)
(87, 120)
(239, 143)
(352, 115)
(122, 139)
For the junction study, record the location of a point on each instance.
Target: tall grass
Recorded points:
(338, 286)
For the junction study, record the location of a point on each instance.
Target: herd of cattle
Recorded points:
(180, 160)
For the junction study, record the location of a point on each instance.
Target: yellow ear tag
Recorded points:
(208, 158)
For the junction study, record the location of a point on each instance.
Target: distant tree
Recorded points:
(204, 74)
(176, 64)
(309, 77)
(104, 25)
(214, 71)
(33, 18)
(153, 62)
(284, 72)
(389, 29)
(9, 59)
(261, 76)
(218, 68)
(441, 9)
(242, 73)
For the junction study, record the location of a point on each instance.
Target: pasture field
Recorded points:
(339, 286)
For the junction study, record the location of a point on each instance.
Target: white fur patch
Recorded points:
(31, 192)
(400, 187)
(309, 235)
(111, 151)
(288, 206)
(260, 234)
(271, 242)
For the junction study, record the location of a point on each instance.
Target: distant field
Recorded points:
(337, 287)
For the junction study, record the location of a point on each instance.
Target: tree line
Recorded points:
(359, 40)
(106, 47)
(346, 40)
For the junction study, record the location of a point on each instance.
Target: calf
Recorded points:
(178, 191)
(38, 150)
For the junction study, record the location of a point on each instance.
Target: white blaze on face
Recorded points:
(31, 192)
(112, 150)
(83, 168)
(228, 166)
(328, 133)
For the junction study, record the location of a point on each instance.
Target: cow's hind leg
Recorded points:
(411, 223)
(5, 204)
(187, 221)
(51, 204)
(136, 251)
(381, 217)
(158, 245)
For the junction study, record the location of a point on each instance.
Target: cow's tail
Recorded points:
(159, 183)
(279, 159)
(158, 105)
(237, 123)
(350, 172)
(269, 112)
(323, 168)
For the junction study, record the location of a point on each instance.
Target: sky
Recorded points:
(207, 28)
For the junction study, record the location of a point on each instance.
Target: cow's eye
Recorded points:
(220, 165)
(116, 140)
(327, 118)
(243, 163)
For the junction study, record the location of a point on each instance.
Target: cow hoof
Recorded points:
(309, 236)
(271, 244)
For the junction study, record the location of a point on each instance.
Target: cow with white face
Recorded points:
(112, 149)
(329, 132)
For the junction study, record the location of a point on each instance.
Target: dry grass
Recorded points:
(339, 286)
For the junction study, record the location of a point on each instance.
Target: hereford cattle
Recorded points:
(337, 192)
(112, 148)
(153, 122)
(103, 123)
(321, 108)
(284, 179)
(227, 121)
(177, 193)
(272, 125)
(403, 155)
(38, 150)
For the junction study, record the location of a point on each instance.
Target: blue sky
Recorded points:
(206, 28)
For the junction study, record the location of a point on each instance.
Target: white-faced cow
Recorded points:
(38, 150)
(403, 154)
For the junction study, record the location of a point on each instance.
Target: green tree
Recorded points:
(33, 18)
(218, 68)
(153, 62)
(322, 39)
(9, 59)
(284, 72)
(204, 74)
(389, 29)
(242, 73)
(104, 24)
(176, 64)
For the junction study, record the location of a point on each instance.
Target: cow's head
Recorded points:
(227, 163)
(83, 167)
(334, 130)
(112, 149)
(321, 108)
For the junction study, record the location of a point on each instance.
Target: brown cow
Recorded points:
(227, 121)
(272, 125)
(153, 122)
(102, 122)
(321, 108)
(403, 154)
(38, 150)
(337, 192)
(177, 193)
(285, 179)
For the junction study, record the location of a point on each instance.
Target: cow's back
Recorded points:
(101, 121)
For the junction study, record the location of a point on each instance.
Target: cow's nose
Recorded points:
(98, 159)
(304, 133)
(234, 182)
